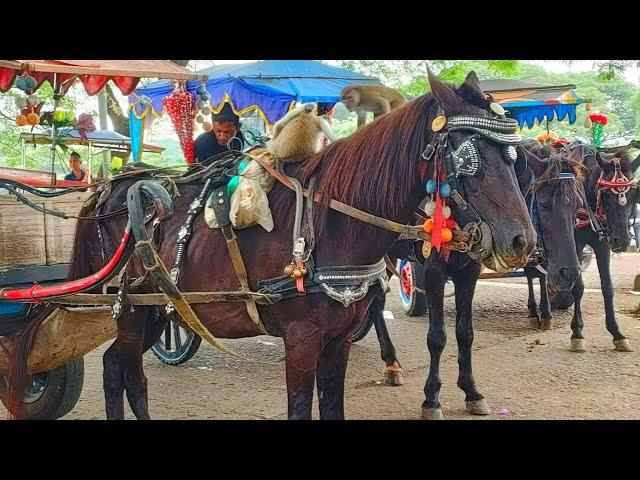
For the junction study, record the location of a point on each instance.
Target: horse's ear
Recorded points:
(472, 82)
(537, 165)
(602, 162)
(635, 164)
(442, 92)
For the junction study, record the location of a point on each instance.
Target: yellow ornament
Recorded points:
(33, 118)
(438, 123)
(426, 249)
(21, 120)
(288, 270)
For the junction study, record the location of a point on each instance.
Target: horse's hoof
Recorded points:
(622, 345)
(432, 413)
(578, 345)
(393, 375)
(545, 324)
(534, 321)
(478, 407)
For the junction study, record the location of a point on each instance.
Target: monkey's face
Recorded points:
(350, 98)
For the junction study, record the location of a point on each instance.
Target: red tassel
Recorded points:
(438, 221)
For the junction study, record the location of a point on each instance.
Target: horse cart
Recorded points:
(37, 229)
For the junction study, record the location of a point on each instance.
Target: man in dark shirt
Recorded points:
(75, 164)
(226, 125)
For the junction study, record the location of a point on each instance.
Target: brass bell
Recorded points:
(297, 273)
(303, 269)
(288, 270)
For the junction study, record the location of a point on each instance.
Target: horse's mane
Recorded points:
(373, 169)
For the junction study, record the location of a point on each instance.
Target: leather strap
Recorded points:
(221, 209)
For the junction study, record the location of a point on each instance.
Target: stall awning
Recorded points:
(93, 74)
(530, 101)
(271, 87)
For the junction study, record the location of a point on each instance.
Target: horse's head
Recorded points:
(615, 194)
(555, 199)
(479, 158)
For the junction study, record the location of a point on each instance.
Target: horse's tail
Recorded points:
(18, 353)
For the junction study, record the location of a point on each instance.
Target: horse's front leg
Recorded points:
(465, 283)
(545, 304)
(531, 302)
(303, 344)
(123, 369)
(603, 259)
(435, 280)
(577, 340)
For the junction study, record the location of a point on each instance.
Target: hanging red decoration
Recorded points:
(180, 106)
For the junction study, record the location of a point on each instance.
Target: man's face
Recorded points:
(74, 163)
(224, 131)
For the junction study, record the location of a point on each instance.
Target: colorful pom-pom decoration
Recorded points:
(446, 235)
(33, 119)
(430, 208)
(427, 226)
(446, 212)
(21, 120)
(431, 186)
(445, 190)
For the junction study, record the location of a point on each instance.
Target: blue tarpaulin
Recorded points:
(271, 87)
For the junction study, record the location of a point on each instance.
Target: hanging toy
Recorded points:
(429, 208)
(203, 107)
(587, 121)
(33, 119)
(599, 120)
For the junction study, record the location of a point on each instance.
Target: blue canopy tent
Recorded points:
(529, 101)
(271, 87)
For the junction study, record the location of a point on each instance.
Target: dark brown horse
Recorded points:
(559, 199)
(379, 169)
(611, 211)
(553, 204)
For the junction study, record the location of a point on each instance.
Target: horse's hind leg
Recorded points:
(332, 366)
(545, 305)
(603, 258)
(393, 370)
(123, 368)
(303, 343)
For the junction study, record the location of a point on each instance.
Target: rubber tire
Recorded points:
(362, 330)
(63, 389)
(184, 357)
(418, 304)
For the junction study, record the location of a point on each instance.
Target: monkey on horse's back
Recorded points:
(371, 98)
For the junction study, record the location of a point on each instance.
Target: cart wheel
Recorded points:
(413, 303)
(362, 330)
(176, 345)
(51, 395)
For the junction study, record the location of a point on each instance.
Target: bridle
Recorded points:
(619, 185)
(465, 161)
(533, 213)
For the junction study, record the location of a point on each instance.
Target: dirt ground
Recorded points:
(528, 373)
